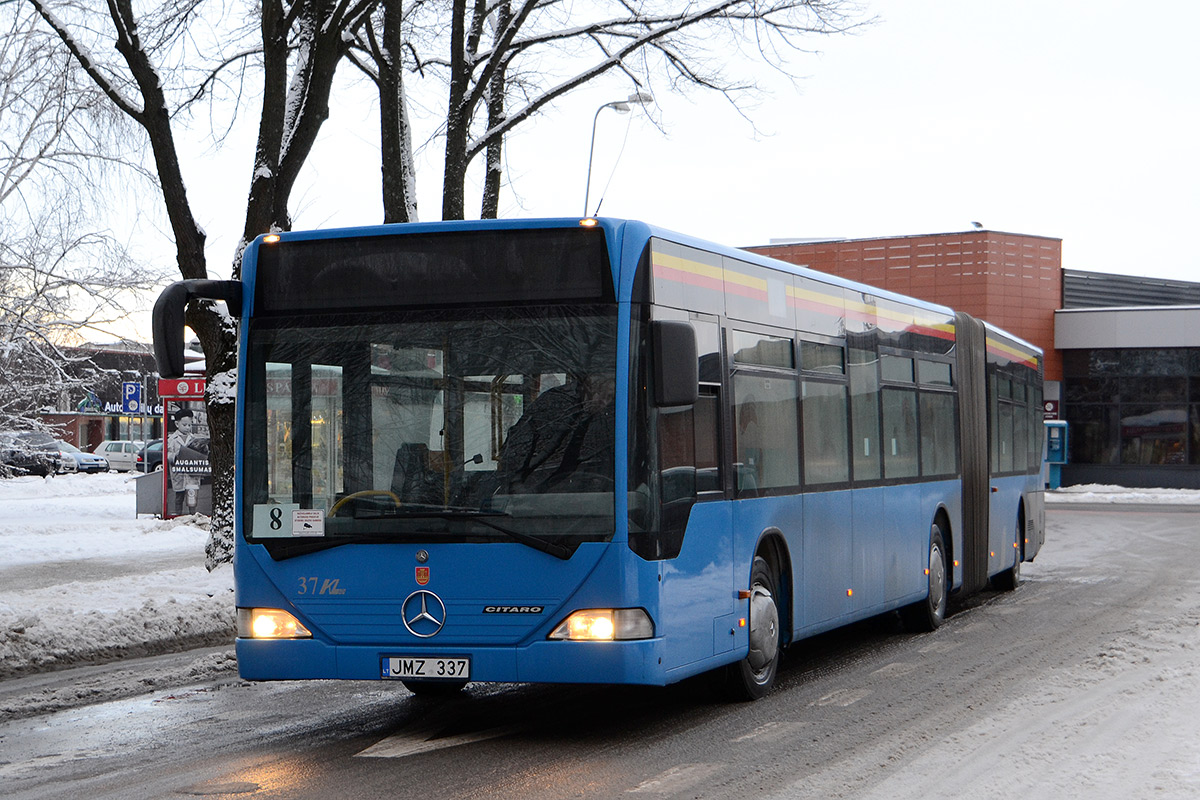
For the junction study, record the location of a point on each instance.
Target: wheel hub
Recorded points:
(764, 628)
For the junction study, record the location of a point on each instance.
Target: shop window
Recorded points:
(1153, 390)
(1166, 361)
(1093, 390)
(1094, 435)
(1153, 435)
(1194, 435)
(1104, 362)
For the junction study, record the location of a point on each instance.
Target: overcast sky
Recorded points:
(1074, 120)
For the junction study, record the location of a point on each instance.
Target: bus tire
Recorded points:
(930, 613)
(1010, 579)
(753, 676)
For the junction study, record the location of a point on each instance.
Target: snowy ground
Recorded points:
(1091, 493)
(84, 581)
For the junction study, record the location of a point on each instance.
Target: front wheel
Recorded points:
(753, 676)
(930, 613)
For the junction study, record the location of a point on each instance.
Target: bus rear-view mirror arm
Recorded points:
(167, 321)
(676, 368)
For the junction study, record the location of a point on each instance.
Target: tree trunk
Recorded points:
(399, 181)
(494, 157)
(457, 118)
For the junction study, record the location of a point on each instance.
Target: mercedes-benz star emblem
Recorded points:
(423, 613)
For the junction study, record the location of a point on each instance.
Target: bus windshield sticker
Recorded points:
(308, 522)
(273, 520)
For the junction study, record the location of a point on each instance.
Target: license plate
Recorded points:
(427, 667)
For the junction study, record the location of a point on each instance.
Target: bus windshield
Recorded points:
(477, 425)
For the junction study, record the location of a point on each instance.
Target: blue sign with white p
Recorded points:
(131, 398)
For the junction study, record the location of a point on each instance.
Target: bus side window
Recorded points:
(677, 454)
(899, 433)
(826, 457)
(688, 453)
(768, 442)
(708, 474)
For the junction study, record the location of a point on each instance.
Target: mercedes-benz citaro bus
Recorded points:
(596, 451)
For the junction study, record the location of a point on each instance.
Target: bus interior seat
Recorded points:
(412, 479)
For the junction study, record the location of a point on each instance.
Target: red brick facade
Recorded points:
(1011, 280)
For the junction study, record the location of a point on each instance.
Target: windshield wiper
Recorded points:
(482, 517)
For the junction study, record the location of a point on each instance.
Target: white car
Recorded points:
(84, 462)
(121, 454)
(66, 463)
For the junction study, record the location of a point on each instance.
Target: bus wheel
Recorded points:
(1010, 579)
(434, 688)
(753, 676)
(930, 613)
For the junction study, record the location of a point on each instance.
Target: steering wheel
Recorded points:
(364, 493)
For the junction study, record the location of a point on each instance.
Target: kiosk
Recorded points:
(1056, 451)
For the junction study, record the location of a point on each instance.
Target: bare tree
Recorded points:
(59, 271)
(161, 68)
(501, 62)
(54, 281)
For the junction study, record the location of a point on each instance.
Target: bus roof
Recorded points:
(625, 234)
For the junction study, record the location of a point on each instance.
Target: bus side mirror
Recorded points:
(167, 320)
(676, 369)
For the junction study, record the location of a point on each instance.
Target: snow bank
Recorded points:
(1096, 493)
(82, 580)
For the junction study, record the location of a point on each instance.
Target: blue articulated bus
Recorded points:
(596, 451)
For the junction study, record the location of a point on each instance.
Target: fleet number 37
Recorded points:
(315, 585)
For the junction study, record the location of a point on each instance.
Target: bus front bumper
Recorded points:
(631, 662)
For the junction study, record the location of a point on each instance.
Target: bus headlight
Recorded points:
(605, 625)
(269, 623)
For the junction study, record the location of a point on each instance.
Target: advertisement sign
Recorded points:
(187, 474)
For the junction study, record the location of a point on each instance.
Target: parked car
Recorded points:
(149, 458)
(84, 462)
(66, 464)
(30, 453)
(121, 453)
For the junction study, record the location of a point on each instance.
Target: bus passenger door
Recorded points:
(698, 592)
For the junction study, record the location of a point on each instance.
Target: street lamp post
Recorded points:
(621, 107)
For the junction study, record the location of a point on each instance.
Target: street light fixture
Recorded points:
(638, 98)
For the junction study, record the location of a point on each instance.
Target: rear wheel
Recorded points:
(930, 613)
(753, 676)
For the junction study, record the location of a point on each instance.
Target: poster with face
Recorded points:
(185, 459)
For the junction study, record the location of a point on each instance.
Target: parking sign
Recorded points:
(131, 398)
